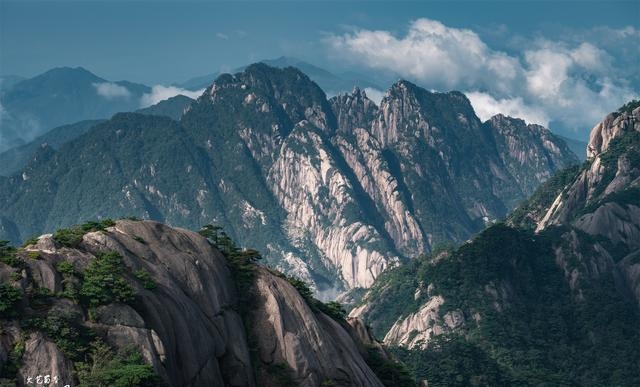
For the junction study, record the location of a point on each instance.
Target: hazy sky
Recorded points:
(544, 60)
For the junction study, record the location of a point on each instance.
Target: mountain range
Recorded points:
(331, 190)
(479, 253)
(551, 297)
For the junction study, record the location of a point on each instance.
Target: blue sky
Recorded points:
(559, 63)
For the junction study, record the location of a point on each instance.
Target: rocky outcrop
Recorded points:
(187, 326)
(43, 358)
(289, 333)
(611, 171)
(614, 125)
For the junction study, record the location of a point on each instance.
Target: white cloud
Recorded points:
(222, 36)
(111, 90)
(487, 106)
(160, 93)
(431, 53)
(374, 94)
(570, 84)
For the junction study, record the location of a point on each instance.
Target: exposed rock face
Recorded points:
(603, 177)
(323, 210)
(288, 332)
(416, 329)
(187, 327)
(41, 356)
(611, 127)
(531, 153)
(333, 191)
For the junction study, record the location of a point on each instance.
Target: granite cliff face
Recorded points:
(187, 325)
(333, 191)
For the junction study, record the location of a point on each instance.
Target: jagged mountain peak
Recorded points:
(501, 118)
(613, 125)
(283, 97)
(354, 110)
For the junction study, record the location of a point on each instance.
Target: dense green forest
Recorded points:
(537, 332)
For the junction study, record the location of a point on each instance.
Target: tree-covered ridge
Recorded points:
(535, 330)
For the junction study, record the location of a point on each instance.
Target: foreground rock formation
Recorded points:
(183, 316)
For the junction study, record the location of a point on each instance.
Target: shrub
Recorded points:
(333, 309)
(8, 255)
(31, 241)
(122, 368)
(15, 276)
(69, 237)
(9, 298)
(302, 288)
(10, 368)
(390, 372)
(72, 237)
(65, 267)
(145, 279)
(103, 281)
(61, 327)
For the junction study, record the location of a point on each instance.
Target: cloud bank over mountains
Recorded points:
(110, 90)
(568, 84)
(158, 93)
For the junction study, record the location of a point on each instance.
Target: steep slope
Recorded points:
(58, 97)
(551, 299)
(154, 305)
(173, 107)
(333, 191)
(602, 197)
(453, 174)
(15, 159)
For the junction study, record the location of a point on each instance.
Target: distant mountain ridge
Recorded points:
(15, 159)
(333, 191)
(329, 82)
(61, 96)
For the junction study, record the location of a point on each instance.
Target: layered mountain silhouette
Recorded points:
(61, 96)
(15, 159)
(333, 191)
